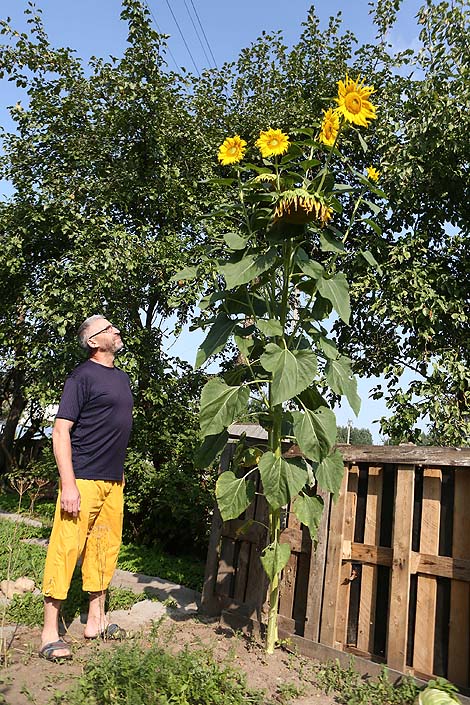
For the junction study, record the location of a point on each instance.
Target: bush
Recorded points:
(170, 505)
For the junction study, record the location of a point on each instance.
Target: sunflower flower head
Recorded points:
(272, 143)
(232, 150)
(299, 206)
(329, 127)
(353, 101)
(372, 173)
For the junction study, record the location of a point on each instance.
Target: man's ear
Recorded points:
(92, 343)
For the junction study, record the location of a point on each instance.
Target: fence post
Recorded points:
(401, 565)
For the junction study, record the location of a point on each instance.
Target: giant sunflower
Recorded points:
(373, 173)
(329, 127)
(232, 150)
(272, 142)
(353, 101)
(299, 206)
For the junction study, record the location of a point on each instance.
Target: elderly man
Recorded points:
(90, 437)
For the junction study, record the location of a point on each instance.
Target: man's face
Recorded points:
(104, 336)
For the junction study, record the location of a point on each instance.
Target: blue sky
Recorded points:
(92, 27)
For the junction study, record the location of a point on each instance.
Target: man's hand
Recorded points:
(70, 500)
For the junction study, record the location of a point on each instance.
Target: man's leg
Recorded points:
(101, 554)
(66, 544)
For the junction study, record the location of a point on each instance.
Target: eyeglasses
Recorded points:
(107, 329)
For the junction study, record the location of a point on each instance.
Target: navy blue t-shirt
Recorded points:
(98, 400)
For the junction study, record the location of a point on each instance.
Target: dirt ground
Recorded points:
(26, 678)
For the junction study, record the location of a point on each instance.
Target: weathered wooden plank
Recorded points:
(366, 624)
(293, 536)
(342, 607)
(209, 600)
(459, 624)
(257, 584)
(244, 553)
(287, 585)
(367, 553)
(333, 566)
(299, 612)
(423, 652)
(226, 571)
(400, 579)
(444, 567)
(316, 576)
(235, 529)
(428, 456)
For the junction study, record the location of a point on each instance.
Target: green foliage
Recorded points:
(134, 674)
(351, 689)
(357, 436)
(184, 570)
(169, 505)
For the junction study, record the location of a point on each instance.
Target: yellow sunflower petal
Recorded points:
(272, 142)
(353, 101)
(329, 127)
(373, 173)
(232, 150)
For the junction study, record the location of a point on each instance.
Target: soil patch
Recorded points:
(26, 678)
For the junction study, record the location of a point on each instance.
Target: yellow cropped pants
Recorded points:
(94, 535)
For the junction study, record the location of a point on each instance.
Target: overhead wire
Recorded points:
(197, 33)
(203, 32)
(183, 38)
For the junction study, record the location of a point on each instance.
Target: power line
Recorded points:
(197, 33)
(203, 32)
(182, 37)
(160, 32)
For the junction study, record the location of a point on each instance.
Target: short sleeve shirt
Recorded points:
(98, 399)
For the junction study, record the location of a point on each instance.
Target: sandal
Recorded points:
(112, 632)
(48, 651)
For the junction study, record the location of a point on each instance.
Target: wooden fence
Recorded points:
(389, 579)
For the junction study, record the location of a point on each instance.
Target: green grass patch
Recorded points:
(18, 559)
(43, 509)
(132, 674)
(350, 688)
(184, 570)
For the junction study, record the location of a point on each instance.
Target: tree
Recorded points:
(107, 164)
(413, 315)
(354, 436)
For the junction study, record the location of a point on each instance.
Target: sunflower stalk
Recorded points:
(287, 363)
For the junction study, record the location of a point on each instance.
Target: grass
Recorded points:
(350, 688)
(135, 674)
(19, 559)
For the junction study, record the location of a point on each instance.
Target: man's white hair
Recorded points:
(82, 333)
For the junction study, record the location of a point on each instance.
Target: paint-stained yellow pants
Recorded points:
(94, 535)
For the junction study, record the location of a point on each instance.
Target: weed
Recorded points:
(286, 692)
(350, 688)
(133, 674)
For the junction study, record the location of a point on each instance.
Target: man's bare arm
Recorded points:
(62, 445)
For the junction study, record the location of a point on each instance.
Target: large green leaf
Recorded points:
(342, 381)
(329, 473)
(292, 371)
(282, 479)
(328, 347)
(329, 243)
(233, 495)
(183, 274)
(275, 558)
(216, 338)
(315, 432)
(308, 511)
(210, 449)
(269, 328)
(336, 290)
(308, 266)
(234, 241)
(248, 268)
(220, 404)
